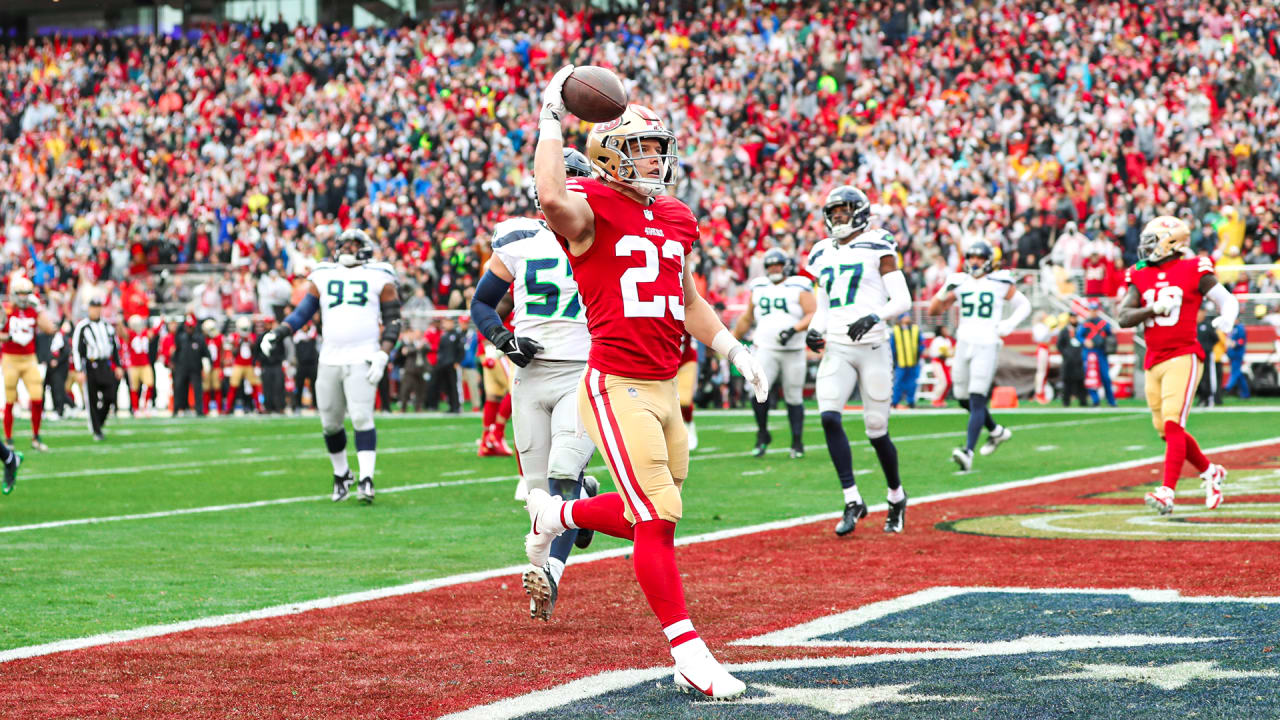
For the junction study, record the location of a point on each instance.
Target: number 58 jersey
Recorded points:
(350, 311)
(631, 280)
(1168, 336)
(547, 307)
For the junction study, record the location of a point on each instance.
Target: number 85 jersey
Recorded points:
(1168, 336)
(350, 312)
(631, 280)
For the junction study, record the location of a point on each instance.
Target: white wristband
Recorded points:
(549, 129)
(724, 343)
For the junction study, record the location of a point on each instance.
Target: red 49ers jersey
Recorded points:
(214, 343)
(631, 280)
(242, 350)
(1171, 335)
(137, 349)
(20, 323)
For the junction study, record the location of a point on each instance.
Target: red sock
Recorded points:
(1175, 453)
(504, 409)
(490, 413)
(146, 390)
(133, 400)
(257, 398)
(8, 420)
(602, 513)
(37, 409)
(229, 402)
(654, 558)
(686, 412)
(1194, 456)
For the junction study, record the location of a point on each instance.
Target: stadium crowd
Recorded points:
(236, 154)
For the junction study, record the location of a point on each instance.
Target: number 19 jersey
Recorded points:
(631, 280)
(350, 311)
(1168, 336)
(849, 275)
(547, 307)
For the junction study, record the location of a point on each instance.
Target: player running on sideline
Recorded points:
(982, 293)
(780, 308)
(1166, 289)
(627, 242)
(549, 349)
(859, 283)
(352, 295)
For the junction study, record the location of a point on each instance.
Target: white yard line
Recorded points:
(422, 586)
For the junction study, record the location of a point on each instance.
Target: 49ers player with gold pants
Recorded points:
(627, 243)
(1166, 289)
(21, 319)
(137, 360)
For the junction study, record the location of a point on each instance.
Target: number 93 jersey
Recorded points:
(980, 302)
(547, 307)
(849, 275)
(776, 308)
(631, 280)
(350, 311)
(1168, 336)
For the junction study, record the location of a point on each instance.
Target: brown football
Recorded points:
(594, 94)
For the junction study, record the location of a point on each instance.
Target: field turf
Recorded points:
(235, 512)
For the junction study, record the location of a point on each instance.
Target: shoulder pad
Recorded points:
(516, 233)
(382, 267)
(326, 265)
(799, 281)
(1002, 276)
(759, 282)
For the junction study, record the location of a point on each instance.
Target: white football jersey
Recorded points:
(776, 308)
(547, 305)
(980, 302)
(350, 310)
(849, 275)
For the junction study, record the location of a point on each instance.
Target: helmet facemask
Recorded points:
(633, 165)
(838, 220)
(354, 248)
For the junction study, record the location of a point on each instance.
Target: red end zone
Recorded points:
(457, 647)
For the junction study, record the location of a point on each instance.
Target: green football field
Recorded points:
(174, 520)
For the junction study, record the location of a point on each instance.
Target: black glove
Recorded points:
(862, 325)
(521, 350)
(814, 340)
(785, 336)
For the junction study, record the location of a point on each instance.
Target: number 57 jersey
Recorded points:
(631, 280)
(350, 311)
(1168, 336)
(547, 307)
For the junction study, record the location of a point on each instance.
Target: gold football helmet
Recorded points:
(614, 148)
(21, 292)
(1164, 237)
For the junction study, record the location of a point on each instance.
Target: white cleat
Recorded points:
(995, 438)
(545, 525)
(693, 435)
(522, 493)
(1160, 500)
(963, 458)
(1211, 481)
(697, 671)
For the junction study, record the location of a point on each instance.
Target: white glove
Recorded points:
(1220, 323)
(552, 102)
(377, 365)
(1164, 305)
(751, 372)
(206, 364)
(268, 341)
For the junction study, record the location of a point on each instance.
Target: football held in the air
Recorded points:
(893, 359)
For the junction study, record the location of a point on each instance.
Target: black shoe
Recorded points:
(364, 491)
(897, 514)
(99, 437)
(853, 512)
(342, 485)
(762, 443)
(11, 471)
(590, 488)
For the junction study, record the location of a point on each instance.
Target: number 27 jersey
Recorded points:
(631, 281)
(1168, 336)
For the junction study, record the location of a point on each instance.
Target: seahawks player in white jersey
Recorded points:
(858, 283)
(549, 349)
(982, 293)
(781, 307)
(354, 296)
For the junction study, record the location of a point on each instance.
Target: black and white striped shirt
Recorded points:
(94, 340)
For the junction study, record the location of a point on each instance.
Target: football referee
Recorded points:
(94, 348)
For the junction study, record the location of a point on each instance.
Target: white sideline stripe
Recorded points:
(424, 585)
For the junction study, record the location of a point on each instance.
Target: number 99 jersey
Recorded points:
(776, 308)
(631, 280)
(1168, 336)
(547, 307)
(350, 311)
(980, 304)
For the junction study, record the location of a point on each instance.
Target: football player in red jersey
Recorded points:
(18, 325)
(240, 347)
(1165, 291)
(627, 242)
(137, 361)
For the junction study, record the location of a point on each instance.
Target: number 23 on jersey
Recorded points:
(647, 274)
